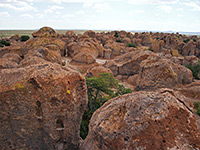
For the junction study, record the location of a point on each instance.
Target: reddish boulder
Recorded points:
(97, 70)
(129, 63)
(41, 107)
(46, 42)
(143, 121)
(90, 33)
(189, 49)
(84, 57)
(45, 32)
(12, 57)
(157, 72)
(5, 63)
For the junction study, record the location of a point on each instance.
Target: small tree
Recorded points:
(195, 69)
(99, 91)
(4, 43)
(24, 38)
(131, 45)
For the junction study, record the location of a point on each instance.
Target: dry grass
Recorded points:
(9, 33)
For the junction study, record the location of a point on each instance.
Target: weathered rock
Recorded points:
(117, 48)
(143, 121)
(189, 49)
(83, 57)
(12, 57)
(129, 63)
(41, 107)
(191, 90)
(132, 79)
(107, 53)
(97, 70)
(157, 72)
(5, 63)
(190, 60)
(32, 60)
(157, 45)
(45, 32)
(46, 42)
(90, 33)
(15, 37)
(146, 40)
(46, 54)
(16, 48)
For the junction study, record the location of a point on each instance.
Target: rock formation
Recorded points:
(144, 120)
(41, 107)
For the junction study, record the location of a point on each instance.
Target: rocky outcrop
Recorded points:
(84, 57)
(97, 70)
(12, 57)
(41, 107)
(5, 63)
(129, 63)
(46, 42)
(157, 72)
(45, 32)
(144, 121)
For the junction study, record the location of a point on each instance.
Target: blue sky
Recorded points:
(159, 15)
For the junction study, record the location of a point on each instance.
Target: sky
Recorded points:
(151, 15)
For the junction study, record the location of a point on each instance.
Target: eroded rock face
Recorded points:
(45, 32)
(129, 63)
(41, 107)
(143, 121)
(156, 72)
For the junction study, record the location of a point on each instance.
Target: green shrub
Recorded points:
(195, 70)
(194, 40)
(157, 38)
(196, 105)
(187, 40)
(151, 49)
(5, 43)
(198, 111)
(1, 45)
(24, 38)
(131, 45)
(116, 34)
(118, 40)
(99, 91)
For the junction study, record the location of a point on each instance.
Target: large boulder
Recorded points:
(5, 63)
(12, 57)
(144, 121)
(45, 32)
(16, 48)
(157, 72)
(58, 44)
(46, 54)
(129, 63)
(189, 49)
(41, 107)
(84, 57)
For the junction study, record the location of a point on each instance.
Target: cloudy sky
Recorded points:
(159, 15)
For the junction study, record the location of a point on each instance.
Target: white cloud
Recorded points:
(68, 16)
(138, 11)
(180, 15)
(153, 2)
(165, 8)
(101, 7)
(81, 12)
(27, 15)
(17, 5)
(4, 14)
(195, 5)
(52, 9)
